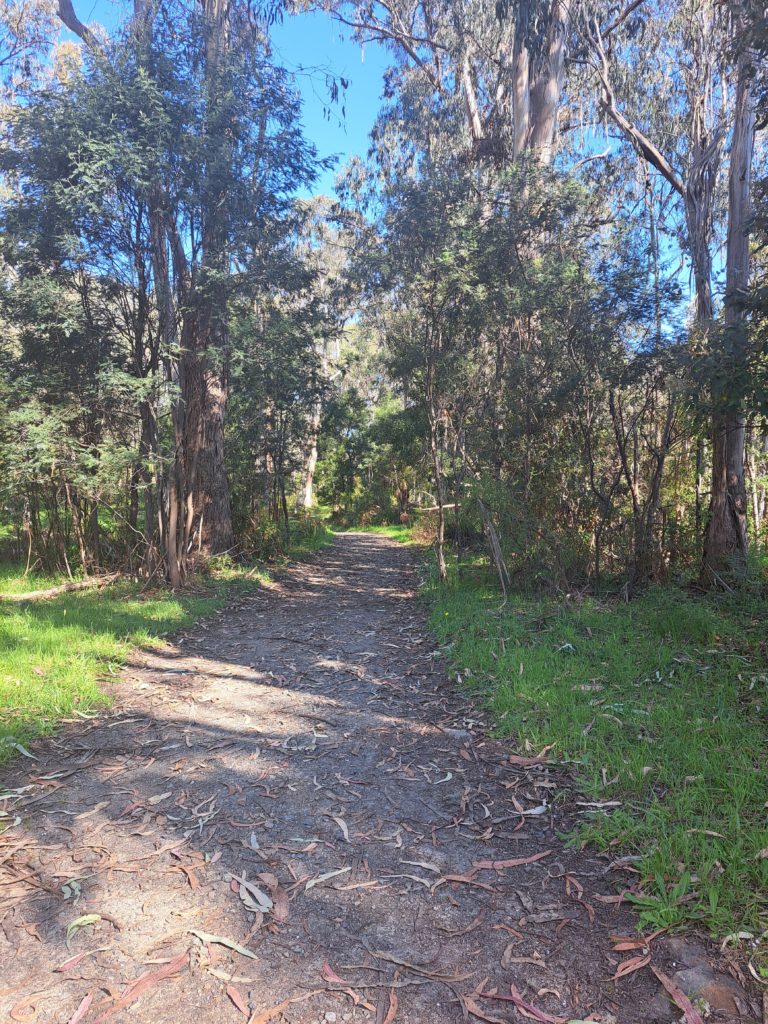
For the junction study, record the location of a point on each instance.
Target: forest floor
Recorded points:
(290, 813)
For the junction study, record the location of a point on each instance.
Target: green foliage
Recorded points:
(145, 131)
(659, 704)
(371, 443)
(266, 539)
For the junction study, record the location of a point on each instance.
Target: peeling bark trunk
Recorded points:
(206, 401)
(172, 486)
(208, 369)
(725, 547)
(521, 98)
(547, 85)
(726, 543)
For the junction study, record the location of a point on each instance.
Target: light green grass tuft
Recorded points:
(397, 531)
(56, 656)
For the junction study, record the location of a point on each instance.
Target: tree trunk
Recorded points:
(207, 371)
(307, 493)
(521, 98)
(442, 570)
(725, 546)
(216, 534)
(547, 86)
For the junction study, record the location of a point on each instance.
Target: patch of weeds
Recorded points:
(661, 704)
(307, 536)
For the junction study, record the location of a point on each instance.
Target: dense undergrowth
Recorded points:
(57, 656)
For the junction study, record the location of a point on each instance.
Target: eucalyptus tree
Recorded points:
(668, 83)
(506, 62)
(221, 153)
(27, 28)
(324, 247)
(76, 247)
(726, 538)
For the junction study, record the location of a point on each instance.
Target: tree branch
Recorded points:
(639, 140)
(67, 15)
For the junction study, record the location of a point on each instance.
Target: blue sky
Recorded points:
(312, 46)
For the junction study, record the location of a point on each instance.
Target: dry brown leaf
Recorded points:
(229, 977)
(692, 1015)
(514, 862)
(238, 1000)
(328, 974)
(281, 906)
(393, 1003)
(73, 961)
(589, 909)
(470, 1006)
(620, 898)
(342, 825)
(527, 1009)
(194, 881)
(82, 1010)
(145, 981)
(635, 963)
(507, 958)
(93, 810)
(267, 1015)
(571, 882)
(625, 945)
(468, 879)
(24, 1011)
(455, 932)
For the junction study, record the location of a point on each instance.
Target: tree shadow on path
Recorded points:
(308, 743)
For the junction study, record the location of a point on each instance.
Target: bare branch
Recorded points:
(621, 18)
(639, 140)
(67, 15)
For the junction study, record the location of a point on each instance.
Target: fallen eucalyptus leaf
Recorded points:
(222, 940)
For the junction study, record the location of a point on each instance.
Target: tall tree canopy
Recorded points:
(489, 320)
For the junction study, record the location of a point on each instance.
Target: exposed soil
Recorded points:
(307, 741)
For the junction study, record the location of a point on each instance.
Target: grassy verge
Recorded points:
(662, 705)
(307, 537)
(56, 654)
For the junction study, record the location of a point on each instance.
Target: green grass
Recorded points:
(56, 655)
(661, 704)
(397, 531)
(308, 536)
(13, 580)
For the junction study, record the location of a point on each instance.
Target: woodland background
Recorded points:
(542, 293)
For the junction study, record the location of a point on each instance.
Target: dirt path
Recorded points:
(309, 742)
